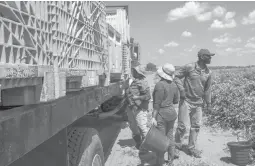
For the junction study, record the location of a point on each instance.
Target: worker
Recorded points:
(131, 119)
(138, 95)
(195, 89)
(165, 95)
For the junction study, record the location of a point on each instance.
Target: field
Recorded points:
(233, 99)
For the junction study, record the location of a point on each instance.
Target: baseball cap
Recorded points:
(205, 52)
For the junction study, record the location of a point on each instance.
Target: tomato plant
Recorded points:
(233, 98)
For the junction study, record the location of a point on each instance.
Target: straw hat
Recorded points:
(166, 71)
(140, 70)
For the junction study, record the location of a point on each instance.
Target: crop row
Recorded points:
(233, 98)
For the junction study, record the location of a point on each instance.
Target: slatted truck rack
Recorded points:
(55, 67)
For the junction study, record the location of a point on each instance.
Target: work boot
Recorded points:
(160, 161)
(144, 155)
(143, 152)
(173, 153)
(138, 141)
(195, 153)
(178, 146)
(176, 154)
(169, 163)
(138, 146)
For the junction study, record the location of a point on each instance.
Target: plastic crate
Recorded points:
(66, 34)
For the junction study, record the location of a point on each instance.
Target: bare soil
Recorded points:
(212, 142)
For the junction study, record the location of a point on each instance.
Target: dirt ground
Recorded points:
(213, 144)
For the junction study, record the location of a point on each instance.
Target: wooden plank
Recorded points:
(20, 82)
(8, 71)
(21, 95)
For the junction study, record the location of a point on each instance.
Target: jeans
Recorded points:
(166, 127)
(194, 113)
(141, 117)
(138, 123)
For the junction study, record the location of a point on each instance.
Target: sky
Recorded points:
(174, 31)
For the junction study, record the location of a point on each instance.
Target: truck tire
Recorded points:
(84, 147)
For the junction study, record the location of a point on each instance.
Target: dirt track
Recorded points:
(213, 144)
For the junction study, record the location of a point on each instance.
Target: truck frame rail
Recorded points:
(24, 128)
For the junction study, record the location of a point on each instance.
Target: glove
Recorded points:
(134, 108)
(153, 122)
(136, 97)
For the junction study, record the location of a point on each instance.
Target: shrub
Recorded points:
(233, 99)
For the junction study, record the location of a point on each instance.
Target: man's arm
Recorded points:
(176, 96)
(129, 97)
(180, 74)
(145, 90)
(208, 90)
(158, 97)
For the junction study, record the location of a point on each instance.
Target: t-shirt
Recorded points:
(165, 95)
(196, 84)
(139, 87)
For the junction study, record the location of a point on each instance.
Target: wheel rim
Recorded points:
(97, 161)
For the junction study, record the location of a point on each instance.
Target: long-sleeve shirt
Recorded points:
(139, 87)
(196, 85)
(165, 95)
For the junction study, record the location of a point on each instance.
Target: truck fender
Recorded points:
(84, 147)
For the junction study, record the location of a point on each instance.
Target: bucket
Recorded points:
(155, 141)
(240, 152)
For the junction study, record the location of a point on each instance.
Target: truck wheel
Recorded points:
(85, 147)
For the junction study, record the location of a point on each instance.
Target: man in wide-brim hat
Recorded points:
(166, 72)
(138, 95)
(165, 95)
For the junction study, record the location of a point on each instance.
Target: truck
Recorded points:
(118, 18)
(58, 99)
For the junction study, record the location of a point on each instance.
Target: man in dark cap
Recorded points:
(194, 90)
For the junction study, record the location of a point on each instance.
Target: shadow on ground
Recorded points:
(126, 142)
(148, 159)
(185, 149)
(226, 160)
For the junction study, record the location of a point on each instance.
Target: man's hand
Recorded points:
(153, 122)
(182, 95)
